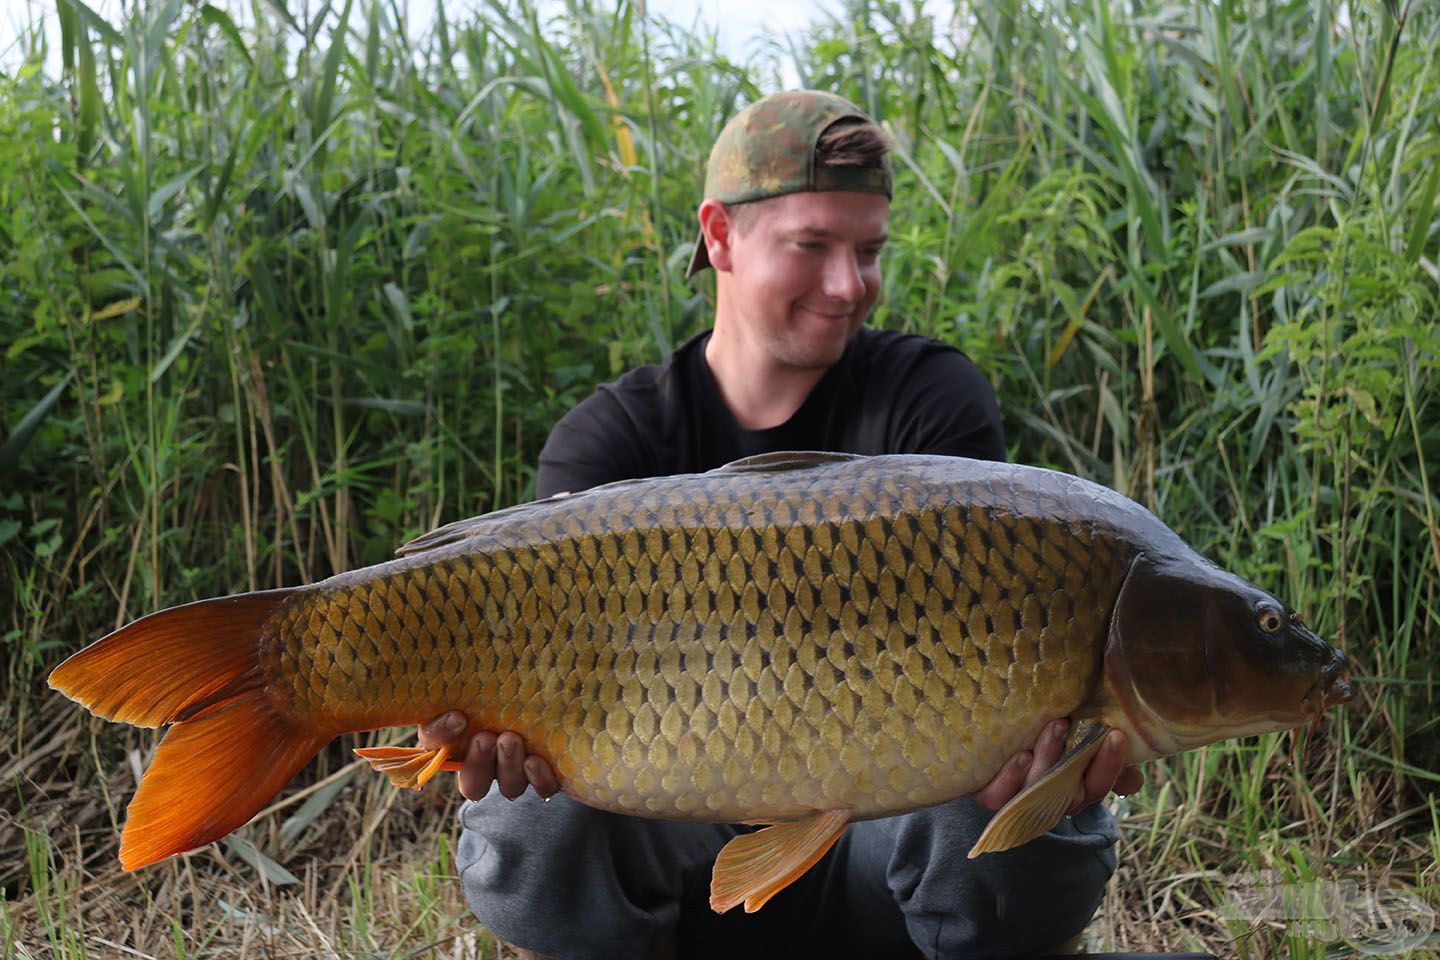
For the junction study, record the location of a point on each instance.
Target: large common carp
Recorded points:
(800, 639)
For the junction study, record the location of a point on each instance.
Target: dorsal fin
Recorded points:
(496, 520)
(782, 460)
(458, 530)
(490, 523)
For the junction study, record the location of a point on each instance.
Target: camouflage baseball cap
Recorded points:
(768, 150)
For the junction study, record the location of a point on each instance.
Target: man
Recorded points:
(795, 214)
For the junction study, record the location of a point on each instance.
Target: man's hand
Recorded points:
(490, 758)
(1107, 771)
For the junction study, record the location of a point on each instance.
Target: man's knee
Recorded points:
(567, 880)
(1014, 902)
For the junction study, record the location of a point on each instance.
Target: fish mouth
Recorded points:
(1333, 687)
(1338, 691)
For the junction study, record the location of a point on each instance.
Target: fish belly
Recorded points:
(743, 647)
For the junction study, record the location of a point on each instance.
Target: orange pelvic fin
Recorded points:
(408, 767)
(231, 749)
(754, 867)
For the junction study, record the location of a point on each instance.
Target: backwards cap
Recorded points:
(768, 150)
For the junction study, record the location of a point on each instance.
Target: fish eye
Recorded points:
(1270, 620)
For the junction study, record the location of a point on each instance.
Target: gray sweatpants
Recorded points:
(576, 883)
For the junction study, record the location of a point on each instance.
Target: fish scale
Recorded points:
(756, 645)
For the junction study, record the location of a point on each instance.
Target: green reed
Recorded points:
(284, 285)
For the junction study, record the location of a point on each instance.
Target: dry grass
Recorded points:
(372, 872)
(346, 866)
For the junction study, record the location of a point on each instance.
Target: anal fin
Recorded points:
(1041, 805)
(408, 767)
(753, 867)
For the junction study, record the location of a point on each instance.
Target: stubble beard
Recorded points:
(802, 353)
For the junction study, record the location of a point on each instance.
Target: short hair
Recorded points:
(852, 142)
(848, 142)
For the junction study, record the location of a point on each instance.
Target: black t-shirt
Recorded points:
(889, 393)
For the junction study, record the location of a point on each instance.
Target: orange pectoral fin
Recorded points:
(408, 767)
(754, 867)
(1040, 806)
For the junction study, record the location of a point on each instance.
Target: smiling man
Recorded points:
(794, 218)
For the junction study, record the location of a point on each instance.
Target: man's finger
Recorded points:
(1005, 784)
(1102, 773)
(542, 777)
(1129, 781)
(443, 730)
(478, 770)
(510, 765)
(1049, 746)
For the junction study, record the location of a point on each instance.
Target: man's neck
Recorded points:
(759, 392)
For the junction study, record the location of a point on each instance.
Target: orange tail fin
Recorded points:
(231, 750)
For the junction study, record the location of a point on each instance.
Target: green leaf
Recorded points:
(173, 351)
(314, 215)
(15, 444)
(375, 370)
(221, 184)
(1424, 218)
(265, 866)
(68, 29)
(22, 344)
(1241, 238)
(162, 194)
(330, 71)
(219, 18)
(96, 22)
(1170, 333)
(406, 407)
(401, 303)
(159, 28)
(315, 805)
(89, 99)
(1238, 283)
(372, 44)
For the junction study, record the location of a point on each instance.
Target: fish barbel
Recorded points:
(797, 639)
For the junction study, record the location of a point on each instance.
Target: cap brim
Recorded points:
(700, 259)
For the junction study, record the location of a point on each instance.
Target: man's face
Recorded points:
(803, 273)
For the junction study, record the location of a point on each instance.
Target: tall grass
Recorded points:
(285, 286)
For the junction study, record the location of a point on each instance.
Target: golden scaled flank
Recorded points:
(762, 649)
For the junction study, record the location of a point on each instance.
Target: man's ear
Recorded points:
(717, 228)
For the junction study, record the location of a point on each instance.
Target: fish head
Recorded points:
(1197, 654)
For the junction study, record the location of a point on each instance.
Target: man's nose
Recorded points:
(842, 276)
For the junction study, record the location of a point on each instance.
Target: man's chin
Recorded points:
(817, 356)
(822, 339)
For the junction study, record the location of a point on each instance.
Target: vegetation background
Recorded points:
(281, 288)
